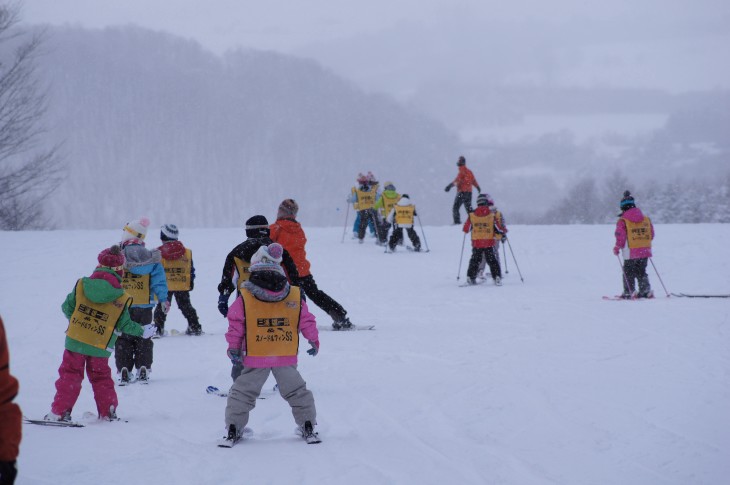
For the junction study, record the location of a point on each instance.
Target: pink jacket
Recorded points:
(236, 337)
(634, 215)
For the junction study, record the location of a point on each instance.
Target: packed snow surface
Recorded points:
(534, 382)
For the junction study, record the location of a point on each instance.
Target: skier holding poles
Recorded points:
(634, 234)
(484, 227)
(402, 217)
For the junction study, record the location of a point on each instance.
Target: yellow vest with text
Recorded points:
(137, 286)
(243, 271)
(272, 328)
(482, 227)
(93, 323)
(179, 271)
(404, 214)
(389, 203)
(638, 234)
(366, 200)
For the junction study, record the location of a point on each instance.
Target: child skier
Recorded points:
(271, 346)
(144, 280)
(498, 238)
(384, 205)
(484, 226)
(180, 274)
(97, 309)
(634, 234)
(464, 182)
(236, 269)
(363, 198)
(289, 233)
(401, 216)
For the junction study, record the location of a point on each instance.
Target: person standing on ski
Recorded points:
(264, 324)
(464, 182)
(634, 234)
(484, 227)
(144, 280)
(384, 205)
(402, 216)
(497, 237)
(98, 310)
(10, 415)
(236, 269)
(180, 273)
(364, 197)
(289, 233)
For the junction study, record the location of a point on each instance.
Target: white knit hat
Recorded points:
(135, 230)
(170, 232)
(268, 258)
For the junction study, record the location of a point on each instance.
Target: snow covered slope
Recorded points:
(540, 382)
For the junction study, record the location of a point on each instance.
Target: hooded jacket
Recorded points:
(634, 215)
(103, 286)
(289, 233)
(140, 260)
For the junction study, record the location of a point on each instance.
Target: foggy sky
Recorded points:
(665, 44)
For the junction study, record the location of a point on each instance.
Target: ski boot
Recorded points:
(124, 377)
(64, 418)
(143, 375)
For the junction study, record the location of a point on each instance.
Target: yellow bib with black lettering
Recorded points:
(638, 234)
(404, 214)
(389, 203)
(272, 328)
(137, 286)
(93, 323)
(365, 200)
(243, 272)
(178, 271)
(482, 227)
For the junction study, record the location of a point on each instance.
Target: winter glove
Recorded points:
(234, 355)
(448, 187)
(8, 471)
(149, 330)
(504, 238)
(616, 250)
(315, 347)
(479, 189)
(165, 307)
(223, 305)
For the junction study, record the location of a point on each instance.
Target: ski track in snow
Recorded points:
(540, 382)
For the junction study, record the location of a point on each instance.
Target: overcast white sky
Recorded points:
(671, 44)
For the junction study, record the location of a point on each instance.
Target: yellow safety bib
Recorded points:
(482, 227)
(272, 328)
(638, 234)
(178, 271)
(93, 323)
(389, 203)
(137, 286)
(366, 200)
(404, 214)
(243, 271)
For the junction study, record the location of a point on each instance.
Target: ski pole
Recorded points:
(660, 278)
(504, 250)
(424, 235)
(515, 260)
(344, 229)
(626, 278)
(461, 258)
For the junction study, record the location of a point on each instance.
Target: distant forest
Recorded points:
(153, 124)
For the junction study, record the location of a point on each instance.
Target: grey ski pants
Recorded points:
(247, 388)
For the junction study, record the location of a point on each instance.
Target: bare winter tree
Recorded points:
(28, 173)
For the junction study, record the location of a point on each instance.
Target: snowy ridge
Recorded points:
(540, 382)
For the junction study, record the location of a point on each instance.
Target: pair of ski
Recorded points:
(685, 295)
(409, 248)
(308, 435)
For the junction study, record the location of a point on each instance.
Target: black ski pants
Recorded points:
(397, 237)
(476, 256)
(130, 351)
(186, 307)
(366, 216)
(321, 299)
(635, 270)
(462, 198)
